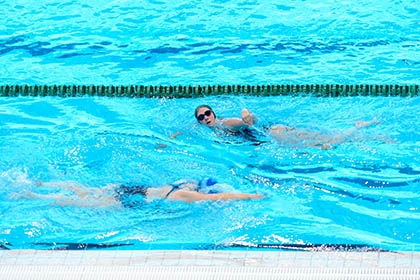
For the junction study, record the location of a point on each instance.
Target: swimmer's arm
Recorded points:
(248, 117)
(189, 197)
(234, 124)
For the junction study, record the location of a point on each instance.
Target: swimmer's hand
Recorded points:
(248, 118)
(176, 134)
(160, 146)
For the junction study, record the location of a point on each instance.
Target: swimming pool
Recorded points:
(361, 193)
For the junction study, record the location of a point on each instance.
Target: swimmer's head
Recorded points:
(211, 186)
(206, 184)
(205, 115)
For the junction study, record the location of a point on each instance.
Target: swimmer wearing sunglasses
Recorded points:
(206, 116)
(286, 135)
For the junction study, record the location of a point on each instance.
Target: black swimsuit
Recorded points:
(249, 134)
(130, 196)
(133, 196)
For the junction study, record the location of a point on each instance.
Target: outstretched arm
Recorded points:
(192, 196)
(248, 119)
(234, 124)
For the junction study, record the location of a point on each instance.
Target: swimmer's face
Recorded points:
(205, 116)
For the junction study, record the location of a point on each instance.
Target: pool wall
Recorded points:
(196, 264)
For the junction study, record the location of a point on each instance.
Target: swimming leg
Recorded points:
(75, 187)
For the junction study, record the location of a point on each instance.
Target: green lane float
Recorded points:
(180, 91)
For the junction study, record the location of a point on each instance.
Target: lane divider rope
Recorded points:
(179, 91)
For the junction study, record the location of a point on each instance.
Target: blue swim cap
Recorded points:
(205, 183)
(211, 182)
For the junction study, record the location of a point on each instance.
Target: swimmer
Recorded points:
(206, 116)
(243, 127)
(131, 196)
(282, 134)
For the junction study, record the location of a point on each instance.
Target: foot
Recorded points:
(361, 124)
(22, 194)
(324, 146)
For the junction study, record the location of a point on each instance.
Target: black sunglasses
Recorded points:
(201, 116)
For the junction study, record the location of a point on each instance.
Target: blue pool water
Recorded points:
(364, 192)
(212, 42)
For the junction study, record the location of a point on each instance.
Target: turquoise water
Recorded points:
(364, 192)
(212, 42)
